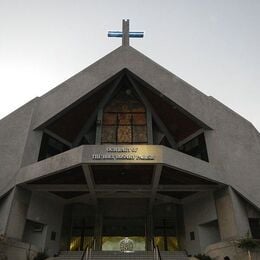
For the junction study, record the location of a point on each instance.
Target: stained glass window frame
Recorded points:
(132, 125)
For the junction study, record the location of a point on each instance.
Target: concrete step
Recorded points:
(117, 255)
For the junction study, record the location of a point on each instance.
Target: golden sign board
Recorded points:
(123, 153)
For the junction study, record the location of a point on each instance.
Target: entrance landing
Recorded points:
(116, 255)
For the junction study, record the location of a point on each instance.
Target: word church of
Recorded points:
(127, 150)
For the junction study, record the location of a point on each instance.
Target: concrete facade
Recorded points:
(203, 212)
(49, 212)
(211, 215)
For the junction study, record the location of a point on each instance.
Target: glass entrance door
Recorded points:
(165, 235)
(81, 234)
(116, 229)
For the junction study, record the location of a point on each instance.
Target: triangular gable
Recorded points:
(166, 123)
(85, 82)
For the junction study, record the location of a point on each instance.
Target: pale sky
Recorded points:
(212, 44)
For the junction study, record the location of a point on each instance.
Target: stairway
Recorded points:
(117, 255)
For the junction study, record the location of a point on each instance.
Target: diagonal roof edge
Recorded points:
(124, 57)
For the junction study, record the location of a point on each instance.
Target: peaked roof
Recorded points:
(234, 146)
(84, 83)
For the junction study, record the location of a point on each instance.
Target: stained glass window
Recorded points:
(124, 120)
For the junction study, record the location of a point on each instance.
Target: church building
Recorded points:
(127, 151)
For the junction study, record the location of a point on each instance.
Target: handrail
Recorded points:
(88, 250)
(156, 251)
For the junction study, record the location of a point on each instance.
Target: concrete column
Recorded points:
(5, 208)
(232, 216)
(149, 231)
(18, 213)
(66, 230)
(242, 221)
(180, 226)
(98, 231)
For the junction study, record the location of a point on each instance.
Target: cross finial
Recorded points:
(125, 34)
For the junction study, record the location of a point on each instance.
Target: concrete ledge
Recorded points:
(228, 248)
(85, 154)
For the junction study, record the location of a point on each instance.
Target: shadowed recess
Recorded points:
(173, 176)
(179, 122)
(69, 124)
(177, 194)
(71, 176)
(122, 174)
(68, 194)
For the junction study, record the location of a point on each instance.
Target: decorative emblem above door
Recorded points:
(126, 245)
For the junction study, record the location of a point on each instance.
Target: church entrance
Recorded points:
(165, 234)
(82, 233)
(115, 230)
(118, 219)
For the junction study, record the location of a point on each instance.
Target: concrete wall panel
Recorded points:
(198, 211)
(17, 216)
(234, 148)
(48, 211)
(14, 130)
(5, 207)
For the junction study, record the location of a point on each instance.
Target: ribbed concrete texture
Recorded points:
(115, 255)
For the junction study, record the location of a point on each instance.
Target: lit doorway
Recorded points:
(82, 233)
(165, 235)
(116, 229)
